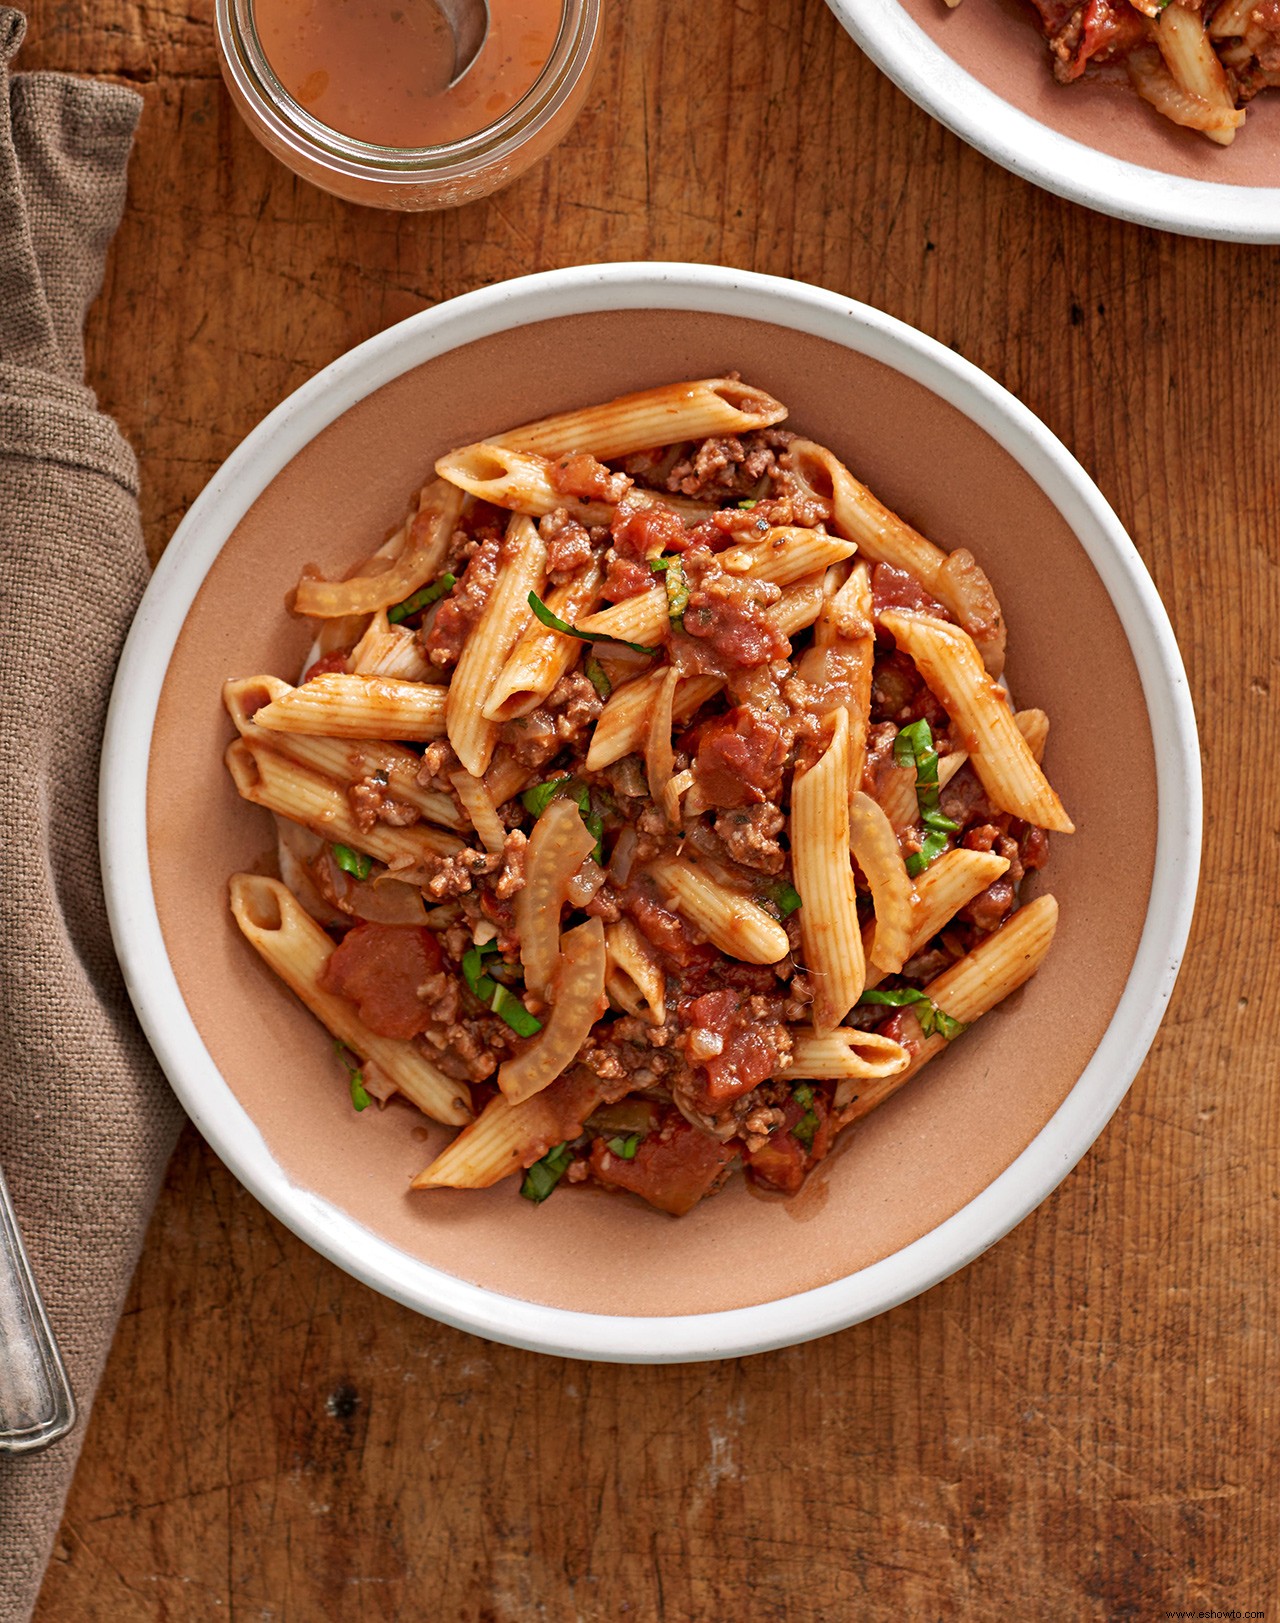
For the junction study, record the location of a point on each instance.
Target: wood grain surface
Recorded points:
(1082, 1424)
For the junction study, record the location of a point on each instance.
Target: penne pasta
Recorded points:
(824, 878)
(940, 892)
(520, 571)
(639, 919)
(418, 557)
(949, 662)
(338, 706)
(731, 921)
(844, 1054)
(633, 979)
(875, 848)
(505, 1138)
(968, 990)
(270, 779)
(541, 656)
(662, 416)
(523, 482)
(297, 949)
(784, 556)
(953, 578)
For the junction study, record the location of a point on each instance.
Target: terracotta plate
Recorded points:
(954, 1160)
(983, 71)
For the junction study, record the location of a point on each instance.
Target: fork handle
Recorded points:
(36, 1406)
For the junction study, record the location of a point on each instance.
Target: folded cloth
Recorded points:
(86, 1121)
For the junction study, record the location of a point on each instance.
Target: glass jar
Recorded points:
(410, 178)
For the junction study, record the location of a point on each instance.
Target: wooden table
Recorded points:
(1081, 1425)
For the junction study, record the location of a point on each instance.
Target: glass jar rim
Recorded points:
(253, 76)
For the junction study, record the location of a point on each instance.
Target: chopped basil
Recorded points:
(507, 1006)
(625, 1148)
(785, 897)
(504, 1003)
(355, 863)
(473, 973)
(746, 506)
(595, 674)
(555, 623)
(544, 1175)
(660, 565)
(537, 799)
(355, 1076)
(806, 1128)
(933, 1020)
(914, 746)
(421, 599)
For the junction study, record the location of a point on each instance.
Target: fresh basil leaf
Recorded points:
(660, 565)
(544, 1175)
(933, 1020)
(625, 1148)
(421, 599)
(355, 1076)
(537, 799)
(785, 897)
(914, 744)
(805, 1129)
(355, 863)
(802, 1093)
(473, 972)
(555, 623)
(746, 506)
(933, 846)
(597, 676)
(507, 1006)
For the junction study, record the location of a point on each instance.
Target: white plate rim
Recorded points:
(921, 69)
(158, 1000)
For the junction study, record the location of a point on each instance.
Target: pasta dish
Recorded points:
(1198, 62)
(650, 807)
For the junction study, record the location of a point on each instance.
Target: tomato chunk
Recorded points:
(383, 968)
(750, 1052)
(673, 1169)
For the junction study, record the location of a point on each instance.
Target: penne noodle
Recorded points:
(577, 1003)
(785, 555)
(638, 422)
(521, 567)
(1180, 36)
(419, 555)
(523, 482)
(842, 1054)
(387, 650)
(542, 656)
(875, 848)
(633, 978)
(346, 760)
(733, 922)
(506, 1138)
(824, 878)
(967, 991)
(945, 886)
(623, 724)
(559, 845)
(840, 662)
(480, 809)
(1150, 76)
(953, 578)
(949, 662)
(338, 706)
(269, 779)
(297, 949)
(659, 757)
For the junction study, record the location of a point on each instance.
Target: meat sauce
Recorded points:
(664, 1108)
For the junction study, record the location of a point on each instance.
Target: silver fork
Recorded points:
(36, 1406)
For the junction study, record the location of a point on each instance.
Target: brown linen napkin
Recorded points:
(86, 1121)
